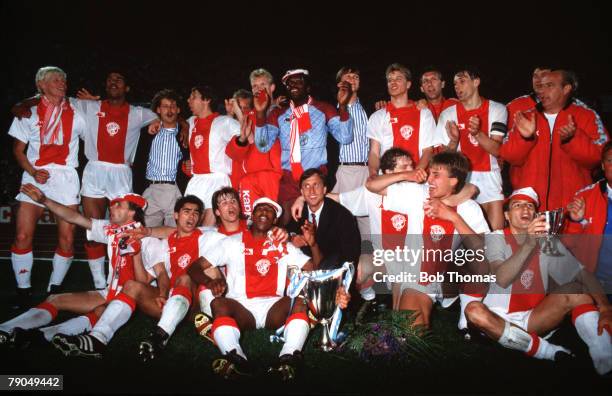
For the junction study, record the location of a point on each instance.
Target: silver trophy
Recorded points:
(320, 294)
(548, 244)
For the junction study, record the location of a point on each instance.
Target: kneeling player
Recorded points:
(256, 279)
(516, 310)
(125, 212)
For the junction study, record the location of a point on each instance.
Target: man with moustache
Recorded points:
(432, 84)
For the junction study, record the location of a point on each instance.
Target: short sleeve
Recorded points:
(147, 116)
(294, 257)
(232, 128)
(473, 216)
(217, 248)
(427, 130)
(154, 251)
(375, 126)
(97, 232)
(355, 201)
(499, 113)
(440, 135)
(496, 246)
(405, 197)
(19, 130)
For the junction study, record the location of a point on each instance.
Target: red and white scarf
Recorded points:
(300, 123)
(51, 131)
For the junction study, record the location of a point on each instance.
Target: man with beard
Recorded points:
(302, 128)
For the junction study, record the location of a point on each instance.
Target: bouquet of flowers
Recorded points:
(390, 337)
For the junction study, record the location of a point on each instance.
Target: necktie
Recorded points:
(314, 219)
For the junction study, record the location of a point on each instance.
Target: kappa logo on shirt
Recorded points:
(101, 114)
(527, 278)
(184, 260)
(263, 266)
(248, 251)
(112, 128)
(406, 131)
(398, 221)
(199, 140)
(437, 232)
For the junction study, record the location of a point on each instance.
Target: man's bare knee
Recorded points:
(132, 288)
(574, 300)
(219, 307)
(476, 313)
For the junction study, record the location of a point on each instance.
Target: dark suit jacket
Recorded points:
(337, 234)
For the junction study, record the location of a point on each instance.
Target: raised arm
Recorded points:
(63, 212)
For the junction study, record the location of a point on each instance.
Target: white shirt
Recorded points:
(380, 129)
(27, 131)
(317, 213)
(551, 118)
(138, 117)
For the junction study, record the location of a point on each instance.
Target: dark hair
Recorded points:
(568, 77)
(207, 93)
(470, 70)
(311, 172)
(126, 80)
(220, 193)
(138, 213)
(164, 94)
(188, 199)
(243, 94)
(388, 161)
(456, 164)
(431, 69)
(607, 147)
(345, 70)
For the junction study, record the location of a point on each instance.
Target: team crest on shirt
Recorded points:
(472, 139)
(199, 140)
(437, 232)
(398, 221)
(263, 266)
(112, 128)
(406, 131)
(527, 278)
(184, 260)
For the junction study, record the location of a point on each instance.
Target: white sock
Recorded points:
(30, 319)
(464, 300)
(174, 311)
(73, 326)
(96, 266)
(205, 296)
(227, 335)
(22, 266)
(368, 293)
(61, 264)
(116, 314)
(296, 332)
(518, 339)
(600, 346)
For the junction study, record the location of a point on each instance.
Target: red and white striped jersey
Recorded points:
(255, 267)
(208, 138)
(488, 112)
(531, 284)
(415, 130)
(63, 149)
(112, 131)
(388, 228)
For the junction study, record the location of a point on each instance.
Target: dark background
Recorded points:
(178, 44)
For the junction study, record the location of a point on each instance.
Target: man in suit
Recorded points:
(336, 232)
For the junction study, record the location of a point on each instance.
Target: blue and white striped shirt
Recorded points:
(357, 151)
(164, 156)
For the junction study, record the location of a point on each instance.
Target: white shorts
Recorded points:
(204, 186)
(433, 290)
(489, 184)
(106, 180)
(62, 185)
(259, 307)
(520, 319)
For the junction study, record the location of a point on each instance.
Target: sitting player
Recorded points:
(256, 280)
(168, 301)
(125, 212)
(434, 224)
(518, 309)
